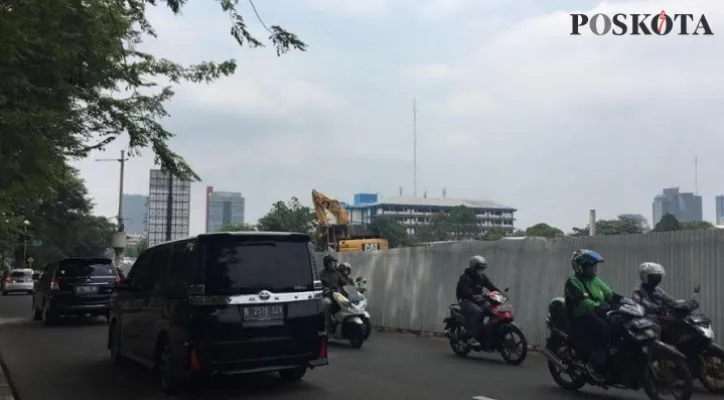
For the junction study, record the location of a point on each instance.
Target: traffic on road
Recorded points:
(70, 361)
(206, 316)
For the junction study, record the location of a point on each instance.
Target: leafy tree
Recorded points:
(73, 80)
(518, 233)
(621, 226)
(390, 229)
(695, 225)
(494, 233)
(639, 219)
(580, 231)
(668, 223)
(543, 230)
(65, 225)
(238, 228)
(291, 216)
(463, 222)
(438, 229)
(137, 249)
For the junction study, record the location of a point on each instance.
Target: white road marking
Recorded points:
(482, 398)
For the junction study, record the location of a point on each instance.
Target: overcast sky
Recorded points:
(510, 107)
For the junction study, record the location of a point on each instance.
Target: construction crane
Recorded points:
(335, 231)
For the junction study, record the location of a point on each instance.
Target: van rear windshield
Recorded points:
(76, 269)
(243, 265)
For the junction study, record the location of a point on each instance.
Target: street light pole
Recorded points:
(119, 241)
(25, 243)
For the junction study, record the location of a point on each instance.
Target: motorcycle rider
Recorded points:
(469, 292)
(345, 269)
(587, 296)
(651, 296)
(330, 276)
(331, 279)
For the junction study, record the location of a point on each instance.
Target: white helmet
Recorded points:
(651, 268)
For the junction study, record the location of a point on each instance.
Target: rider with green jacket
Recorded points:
(587, 297)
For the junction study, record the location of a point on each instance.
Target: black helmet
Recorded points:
(328, 260)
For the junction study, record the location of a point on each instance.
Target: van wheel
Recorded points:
(114, 344)
(292, 375)
(48, 315)
(37, 314)
(170, 384)
(5, 292)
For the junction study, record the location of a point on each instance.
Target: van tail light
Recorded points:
(54, 286)
(323, 348)
(118, 279)
(194, 364)
(8, 279)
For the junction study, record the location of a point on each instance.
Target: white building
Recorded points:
(157, 208)
(413, 212)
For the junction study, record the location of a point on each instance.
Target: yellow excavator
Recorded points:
(339, 235)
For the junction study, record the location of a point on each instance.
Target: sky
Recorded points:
(510, 107)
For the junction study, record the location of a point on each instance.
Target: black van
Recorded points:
(221, 303)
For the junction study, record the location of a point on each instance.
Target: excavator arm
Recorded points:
(324, 204)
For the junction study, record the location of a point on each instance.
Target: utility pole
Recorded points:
(119, 240)
(169, 207)
(414, 147)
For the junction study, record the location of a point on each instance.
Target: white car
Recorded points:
(18, 280)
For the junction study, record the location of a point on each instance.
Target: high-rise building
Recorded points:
(223, 208)
(158, 200)
(135, 213)
(719, 200)
(686, 207)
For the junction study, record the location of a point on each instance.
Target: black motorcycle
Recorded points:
(636, 359)
(693, 335)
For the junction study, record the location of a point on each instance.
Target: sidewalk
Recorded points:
(6, 388)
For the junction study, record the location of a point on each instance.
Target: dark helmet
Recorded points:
(329, 261)
(478, 262)
(345, 268)
(585, 262)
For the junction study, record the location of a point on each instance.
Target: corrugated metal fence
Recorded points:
(411, 288)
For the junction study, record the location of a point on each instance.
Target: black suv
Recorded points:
(74, 286)
(221, 303)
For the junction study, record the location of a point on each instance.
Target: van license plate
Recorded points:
(86, 289)
(264, 313)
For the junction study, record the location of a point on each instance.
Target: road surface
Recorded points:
(70, 362)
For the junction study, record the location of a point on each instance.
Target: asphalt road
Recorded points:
(70, 362)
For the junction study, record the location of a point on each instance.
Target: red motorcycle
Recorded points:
(499, 333)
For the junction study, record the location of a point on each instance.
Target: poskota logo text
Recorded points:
(660, 24)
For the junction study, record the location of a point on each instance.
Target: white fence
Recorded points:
(411, 288)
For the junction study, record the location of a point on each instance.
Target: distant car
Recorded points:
(74, 286)
(18, 280)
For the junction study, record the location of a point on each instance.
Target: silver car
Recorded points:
(18, 280)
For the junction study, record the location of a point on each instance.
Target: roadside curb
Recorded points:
(7, 391)
(431, 335)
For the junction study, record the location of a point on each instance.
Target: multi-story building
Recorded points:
(135, 213)
(413, 212)
(223, 208)
(719, 200)
(158, 215)
(686, 207)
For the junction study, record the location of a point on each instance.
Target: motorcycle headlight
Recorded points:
(339, 298)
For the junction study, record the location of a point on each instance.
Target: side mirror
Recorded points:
(506, 289)
(697, 289)
(358, 279)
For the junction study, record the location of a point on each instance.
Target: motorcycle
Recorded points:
(348, 311)
(637, 358)
(362, 288)
(693, 335)
(499, 333)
